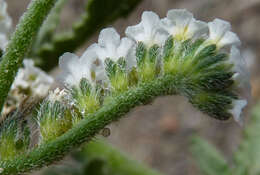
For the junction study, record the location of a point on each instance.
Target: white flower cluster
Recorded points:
(33, 79)
(29, 82)
(5, 24)
(29, 77)
(150, 31)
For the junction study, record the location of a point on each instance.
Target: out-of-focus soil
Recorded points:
(158, 134)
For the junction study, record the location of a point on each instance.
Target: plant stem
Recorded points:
(55, 150)
(20, 43)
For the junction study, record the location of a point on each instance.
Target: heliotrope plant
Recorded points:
(174, 55)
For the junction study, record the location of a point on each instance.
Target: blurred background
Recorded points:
(159, 134)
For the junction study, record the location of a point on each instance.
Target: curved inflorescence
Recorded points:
(204, 57)
(174, 55)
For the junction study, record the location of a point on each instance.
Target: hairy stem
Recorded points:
(91, 125)
(20, 43)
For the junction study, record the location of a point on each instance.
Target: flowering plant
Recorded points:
(174, 55)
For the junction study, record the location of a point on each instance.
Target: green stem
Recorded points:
(20, 43)
(90, 126)
(117, 162)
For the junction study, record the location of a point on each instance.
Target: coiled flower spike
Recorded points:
(174, 55)
(202, 58)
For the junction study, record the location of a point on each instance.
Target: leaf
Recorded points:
(209, 160)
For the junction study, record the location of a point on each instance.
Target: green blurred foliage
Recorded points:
(98, 13)
(246, 160)
(100, 158)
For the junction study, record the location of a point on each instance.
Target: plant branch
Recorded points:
(55, 150)
(20, 43)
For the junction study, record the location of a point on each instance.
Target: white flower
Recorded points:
(5, 20)
(181, 24)
(31, 77)
(96, 66)
(110, 46)
(3, 41)
(242, 75)
(57, 95)
(220, 34)
(75, 68)
(148, 31)
(242, 82)
(237, 109)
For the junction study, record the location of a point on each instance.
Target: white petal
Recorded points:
(3, 41)
(197, 28)
(124, 48)
(72, 68)
(32, 77)
(237, 60)
(229, 39)
(160, 37)
(95, 50)
(67, 78)
(180, 23)
(93, 63)
(242, 75)
(68, 62)
(180, 17)
(149, 20)
(131, 59)
(20, 81)
(168, 25)
(109, 37)
(135, 32)
(218, 28)
(238, 106)
(220, 34)
(89, 57)
(41, 90)
(149, 30)
(110, 45)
